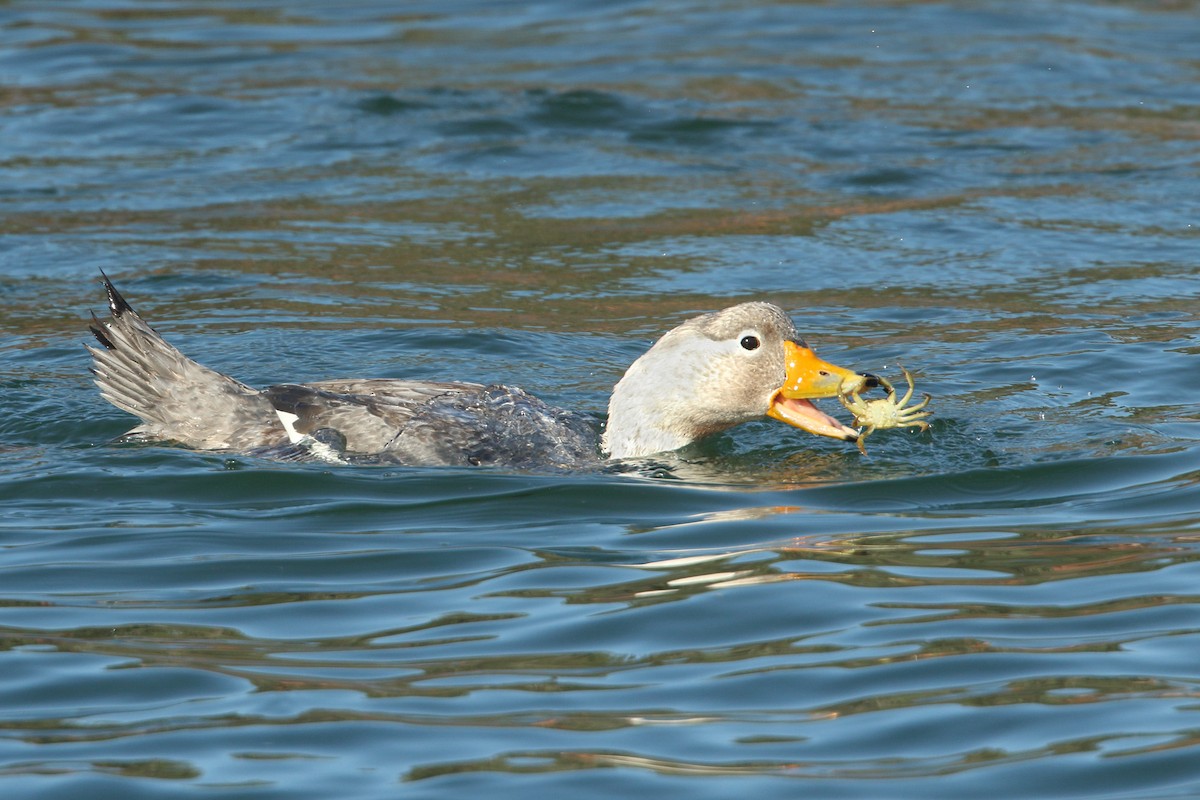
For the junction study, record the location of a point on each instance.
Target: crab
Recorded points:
(886, 412)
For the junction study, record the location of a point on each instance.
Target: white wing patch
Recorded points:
(319, 449)
(289, 425)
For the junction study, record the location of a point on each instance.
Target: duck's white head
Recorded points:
(720, 370)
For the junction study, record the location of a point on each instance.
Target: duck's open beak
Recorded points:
(809, 377)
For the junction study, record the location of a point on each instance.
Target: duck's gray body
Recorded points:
(462, 424)
(707, 374)
(355, 421)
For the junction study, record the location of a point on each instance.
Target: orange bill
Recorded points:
(809, 377)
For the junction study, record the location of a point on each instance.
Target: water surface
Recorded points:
(999, 196)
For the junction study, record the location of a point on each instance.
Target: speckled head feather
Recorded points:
(709, 374)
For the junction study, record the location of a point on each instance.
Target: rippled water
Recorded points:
(999, 196)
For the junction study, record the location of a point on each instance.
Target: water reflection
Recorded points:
(886, 660)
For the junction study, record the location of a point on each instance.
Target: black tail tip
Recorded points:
(97, 329)
(116, 303)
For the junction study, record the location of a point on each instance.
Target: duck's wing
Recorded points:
(426, 423)
(364, 416)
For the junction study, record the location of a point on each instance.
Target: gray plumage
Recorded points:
(706, 375)
(176, 398)
(353, 421)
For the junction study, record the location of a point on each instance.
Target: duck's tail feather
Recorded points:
(175, 397)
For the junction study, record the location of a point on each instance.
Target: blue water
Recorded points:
(999, 196)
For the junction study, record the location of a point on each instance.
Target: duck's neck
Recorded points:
(628, 436)
(652, 411)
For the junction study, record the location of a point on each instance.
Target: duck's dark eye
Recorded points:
(750, 342)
